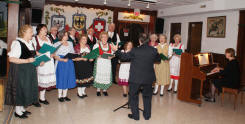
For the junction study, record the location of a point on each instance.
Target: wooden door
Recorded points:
(241, 48)
(195, 37)
(175, 29)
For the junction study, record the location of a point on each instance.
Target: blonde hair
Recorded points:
(154, 35)
(163, 35)
(83, 35)
(177, 35)
(23, 30)
(103, 33)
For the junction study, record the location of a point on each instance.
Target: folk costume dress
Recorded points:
(83, 69)
(102, 68)
(65, 72)
(162, 69)
(174, 64)
(22, 86)
(124, 73)
(46, 73)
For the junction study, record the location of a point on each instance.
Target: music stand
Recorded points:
(124, 106)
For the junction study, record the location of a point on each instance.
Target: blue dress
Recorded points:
(65, 72)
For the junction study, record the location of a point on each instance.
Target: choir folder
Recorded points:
(39, 59)
(163, 57)
(48, 48)
(177, 51)
(72, 56)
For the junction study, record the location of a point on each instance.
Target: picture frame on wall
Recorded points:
(216, 27)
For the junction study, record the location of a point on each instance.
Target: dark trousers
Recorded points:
(134, 99)
(114, 63)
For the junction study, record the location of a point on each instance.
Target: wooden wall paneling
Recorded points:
(13, 18)
(240, 48)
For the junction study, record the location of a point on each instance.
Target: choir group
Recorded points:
(27, 83)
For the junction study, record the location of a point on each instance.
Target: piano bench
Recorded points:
(234, 92)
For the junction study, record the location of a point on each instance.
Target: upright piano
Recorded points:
(195, 75)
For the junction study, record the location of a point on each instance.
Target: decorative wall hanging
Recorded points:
(79, 21)
(99, 25)
(58, 20)
(124, 16)
(216, 26)
(80, 18)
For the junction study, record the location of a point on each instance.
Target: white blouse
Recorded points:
(104, 49)
(41, 42)
(16, 48)
(87, 50)
(63, 50)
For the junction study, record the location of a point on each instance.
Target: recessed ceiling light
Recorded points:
(129, 2)
(76, 0)
(148, 5)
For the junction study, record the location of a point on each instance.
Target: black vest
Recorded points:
(25, 52)
(113, 39)
(91, 43)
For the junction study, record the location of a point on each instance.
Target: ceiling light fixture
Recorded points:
(148, 5)
(105, 2)
(129, 2)
(76, 0)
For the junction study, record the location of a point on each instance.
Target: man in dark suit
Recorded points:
(142, 75)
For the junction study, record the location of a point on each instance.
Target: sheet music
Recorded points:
(203, 59)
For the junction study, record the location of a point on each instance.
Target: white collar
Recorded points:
(52, 36)
(23, 41)
(72, 37)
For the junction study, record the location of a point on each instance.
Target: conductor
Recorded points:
(142, 75)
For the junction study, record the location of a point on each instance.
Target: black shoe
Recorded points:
(27, 113)
(125, 95)
(23, 116)
(155, 93)
(175, 91)
(44, 102)
(85, 95)
(210, 100)
(161, 94)
(105, 93)
(80, 96)
(169, 90)
(67, 99)
(61, 99)
(36, 104)
(131, 117)
(98, 94)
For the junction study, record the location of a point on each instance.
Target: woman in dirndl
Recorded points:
(124, 69)
(162, 69)
(46, 73)
(83, 67)
(65, 72)
(22, 86)
(175, 62)
(102, 66)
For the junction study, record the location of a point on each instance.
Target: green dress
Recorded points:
(22, 86)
